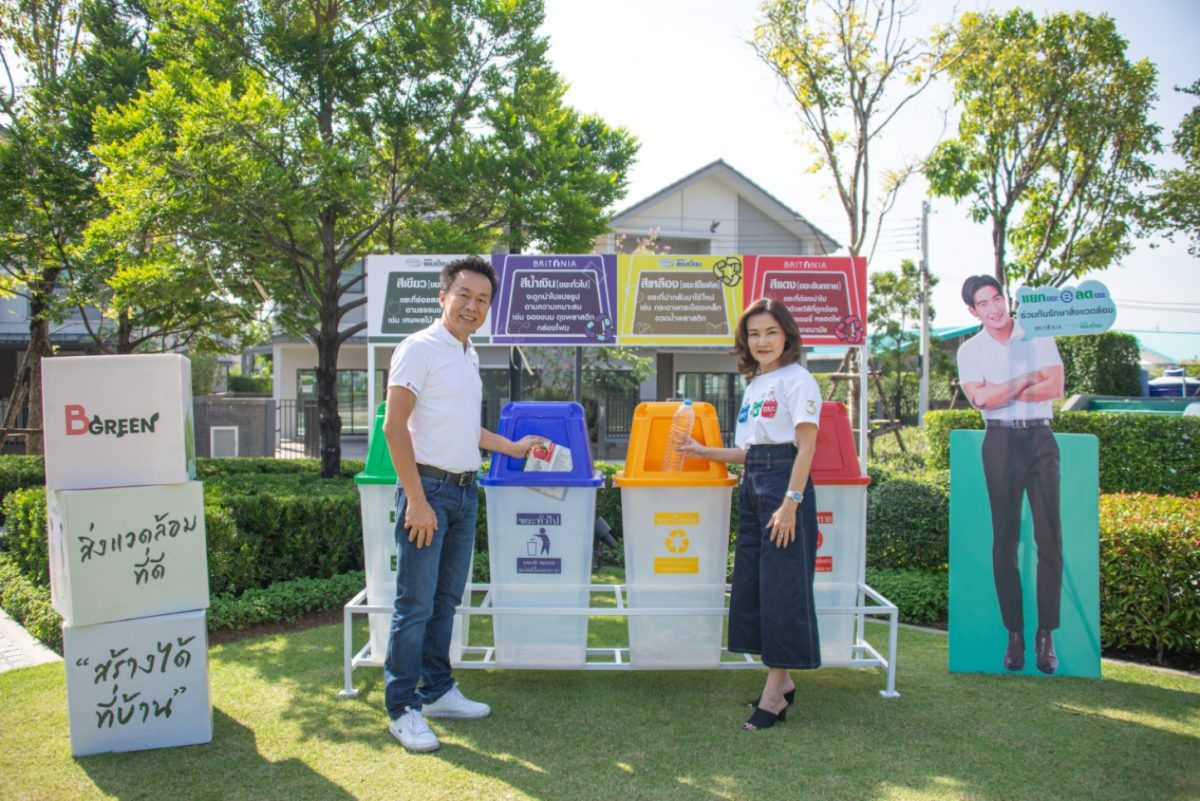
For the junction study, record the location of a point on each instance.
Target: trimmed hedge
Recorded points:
(209, 467)
(25, 533)
(257, 384)
(923, 598)
(18, 471)
(283, 601)
(287, 527)
(29, 604)
(938, 426)
(908, 525)
(1150, 573)
(1138, 452)
(1101, 364)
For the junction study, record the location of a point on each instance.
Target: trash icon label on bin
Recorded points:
(539, 546)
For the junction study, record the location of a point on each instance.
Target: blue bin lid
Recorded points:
(560, 422)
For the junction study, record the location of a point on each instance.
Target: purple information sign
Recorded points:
(555, 300)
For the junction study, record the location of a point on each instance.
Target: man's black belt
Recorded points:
(438, 474)
(1036, 422)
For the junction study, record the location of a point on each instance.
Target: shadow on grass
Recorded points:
(677, 734)
(231, 766)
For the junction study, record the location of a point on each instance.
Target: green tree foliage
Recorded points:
(76, 57)
(1101, 364)
(1051, 141)
(46, 175)
(1176, 203)
(151, 295)
(849, 69)
(284, 141)
(543, 175)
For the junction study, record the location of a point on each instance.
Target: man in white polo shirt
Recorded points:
(434, 436)
(1013, 381)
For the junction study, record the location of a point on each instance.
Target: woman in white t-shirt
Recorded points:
(771, 607)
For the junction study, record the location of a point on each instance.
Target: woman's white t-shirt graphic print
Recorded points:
(774, 404)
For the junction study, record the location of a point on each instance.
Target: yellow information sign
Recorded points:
(676, 518)
(676, 565)
(679, 300)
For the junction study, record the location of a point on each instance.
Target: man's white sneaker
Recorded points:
(456, 705)
(412, 732)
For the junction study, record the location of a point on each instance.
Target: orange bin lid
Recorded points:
(648, 440)
(836, 459)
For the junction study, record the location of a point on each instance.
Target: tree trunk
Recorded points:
(999, 234)
(39, 348)
(327, 403)
(124, 333)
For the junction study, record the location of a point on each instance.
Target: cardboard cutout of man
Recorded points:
(1013, 382)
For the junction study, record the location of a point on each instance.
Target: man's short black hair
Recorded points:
(472, 264)
(976, 283)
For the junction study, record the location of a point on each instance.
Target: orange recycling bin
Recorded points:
(676, 535)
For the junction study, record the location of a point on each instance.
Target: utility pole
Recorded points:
(923, 381)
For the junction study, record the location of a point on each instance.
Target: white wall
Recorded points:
(704, 362)
(690, 212)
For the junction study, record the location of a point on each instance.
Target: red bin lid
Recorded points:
(836, 459)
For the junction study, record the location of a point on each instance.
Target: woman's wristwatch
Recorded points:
(796, 496)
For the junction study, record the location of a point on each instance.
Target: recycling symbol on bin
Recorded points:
(677, 541)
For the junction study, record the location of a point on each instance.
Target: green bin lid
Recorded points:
(378, 469)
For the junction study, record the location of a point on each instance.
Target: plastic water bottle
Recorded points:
(679, 435)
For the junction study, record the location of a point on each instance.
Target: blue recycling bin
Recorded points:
(540, 528)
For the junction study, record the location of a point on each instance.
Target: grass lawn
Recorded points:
(280, 732)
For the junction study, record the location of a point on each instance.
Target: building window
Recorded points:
(351, 395)
(670, 245)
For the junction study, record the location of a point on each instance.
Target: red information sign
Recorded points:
(826, 294)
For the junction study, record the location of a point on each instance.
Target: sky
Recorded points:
(681, 77)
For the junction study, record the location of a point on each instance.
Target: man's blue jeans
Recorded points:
(429, 587)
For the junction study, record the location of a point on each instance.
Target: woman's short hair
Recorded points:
(747, 364)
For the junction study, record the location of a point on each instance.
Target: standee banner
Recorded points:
(1024, 501)
(1049, 311)
(826, 294)
(679, 300)
(1056, 575)
(555, 300)
(402, 295)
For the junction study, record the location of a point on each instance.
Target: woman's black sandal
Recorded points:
(789, 696)
(762, 719)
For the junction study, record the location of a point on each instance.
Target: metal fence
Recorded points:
(619, 417)
(297, 435)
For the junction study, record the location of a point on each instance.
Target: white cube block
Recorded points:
(117, 421)
(138, 684)
(123, 553)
